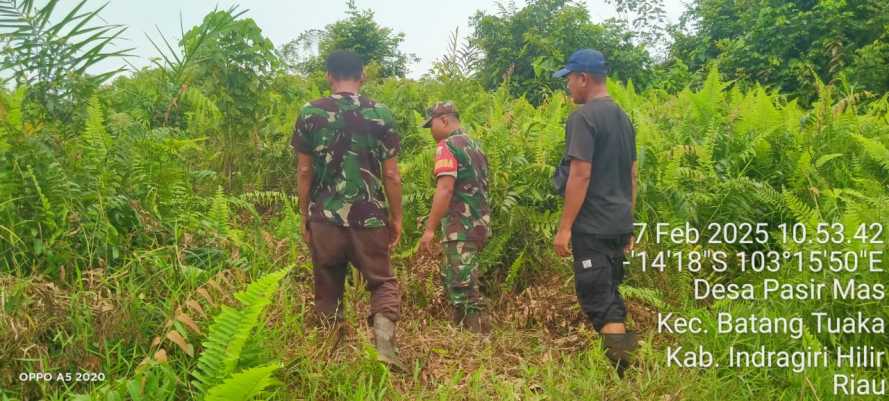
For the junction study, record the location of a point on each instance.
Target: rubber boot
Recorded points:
(384, 339)
(618, 349)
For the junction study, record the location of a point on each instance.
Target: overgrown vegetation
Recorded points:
(789, 45)
(127, 224)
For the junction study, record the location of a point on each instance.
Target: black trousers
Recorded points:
(598, 272)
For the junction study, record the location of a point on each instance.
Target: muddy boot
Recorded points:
(476, 322)
(384, 339)
(618, 349)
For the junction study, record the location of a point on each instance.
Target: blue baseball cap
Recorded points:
(584, 60)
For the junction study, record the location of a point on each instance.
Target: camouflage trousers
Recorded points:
(459, 274)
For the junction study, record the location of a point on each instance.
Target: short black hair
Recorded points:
(596, 77)
(344, 65)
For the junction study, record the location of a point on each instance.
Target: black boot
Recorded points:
(618, 349)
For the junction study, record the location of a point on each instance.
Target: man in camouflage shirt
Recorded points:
(346, 148)
(461, 206)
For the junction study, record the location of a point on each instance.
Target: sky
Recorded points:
(427, 25)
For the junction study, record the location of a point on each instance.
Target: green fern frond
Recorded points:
(494, 250)
(231, 329)
(768, 194)
(219, 211)
(45, 204)
(95, 139)
(270, 198)
(514, 269)
(649, 296)
(203, 115)
(245, 385)
(875, 150)
(14, 115)
(707, 101)
(802, 212)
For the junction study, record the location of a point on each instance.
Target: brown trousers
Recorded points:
(333, 247)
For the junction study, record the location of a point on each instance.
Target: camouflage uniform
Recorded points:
(348, 137)
(466, 227)
(459, 274)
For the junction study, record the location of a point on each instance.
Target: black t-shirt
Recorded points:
(601, 133)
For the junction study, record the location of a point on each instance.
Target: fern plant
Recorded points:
(223, 371)
(244, 385)
(876, 150)
(219, 211)
(217, 375)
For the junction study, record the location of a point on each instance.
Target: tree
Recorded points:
(52, 55)
(787, 44)
(525, 46)
(462, 60)
(221, 74)
(359, 33)
(236, 61)
(647, 18)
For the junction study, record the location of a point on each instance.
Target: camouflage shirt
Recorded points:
(469, 216)
(348, 137)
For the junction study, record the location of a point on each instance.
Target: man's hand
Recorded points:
(307, 235)
(579, 175)
(629, 247)
(426, 241)
(562, 243)
(394, 232)
(304, 175)
(392, 187)
(444, 191)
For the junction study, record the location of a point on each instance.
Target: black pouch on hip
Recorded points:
(560, 176)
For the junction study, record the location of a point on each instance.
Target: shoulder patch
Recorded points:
(445, 162)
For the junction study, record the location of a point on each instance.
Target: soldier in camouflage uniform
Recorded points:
(461, 206)
(346, 148)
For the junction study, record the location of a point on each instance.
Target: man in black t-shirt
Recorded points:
(600, 194)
